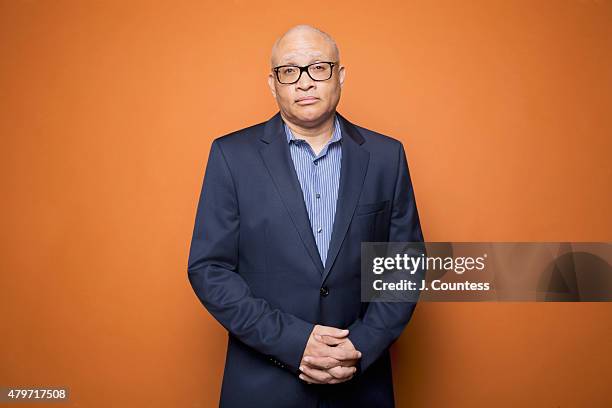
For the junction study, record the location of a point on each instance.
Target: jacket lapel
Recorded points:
(277, 159)
(354, 165)
(355, 159)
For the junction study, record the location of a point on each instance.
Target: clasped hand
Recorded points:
(329, 357)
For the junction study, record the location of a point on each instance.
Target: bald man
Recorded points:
(275, 253)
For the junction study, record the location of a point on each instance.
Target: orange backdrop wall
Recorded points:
(107, 113)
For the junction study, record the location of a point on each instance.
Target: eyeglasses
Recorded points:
(290, 74)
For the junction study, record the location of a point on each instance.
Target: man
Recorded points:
(275, 255)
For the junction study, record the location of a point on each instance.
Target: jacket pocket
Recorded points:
(372, 208)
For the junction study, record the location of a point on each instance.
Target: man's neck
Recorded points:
(316, 136)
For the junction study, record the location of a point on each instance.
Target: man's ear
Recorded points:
(271, 84)
(341, 74)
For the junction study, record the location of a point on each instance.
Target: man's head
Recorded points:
(300, 46)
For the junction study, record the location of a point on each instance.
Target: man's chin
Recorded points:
(310, 115)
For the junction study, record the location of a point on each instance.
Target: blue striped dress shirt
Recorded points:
(319, 176)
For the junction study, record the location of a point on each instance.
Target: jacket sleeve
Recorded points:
(383, 322)
(212, 271)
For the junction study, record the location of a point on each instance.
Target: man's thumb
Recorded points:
(332, 331)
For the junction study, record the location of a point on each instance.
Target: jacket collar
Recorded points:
(274, 128)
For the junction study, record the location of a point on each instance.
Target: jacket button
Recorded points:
(324, 291)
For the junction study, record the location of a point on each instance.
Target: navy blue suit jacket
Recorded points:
(254, 265)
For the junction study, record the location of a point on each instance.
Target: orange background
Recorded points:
(107, 113)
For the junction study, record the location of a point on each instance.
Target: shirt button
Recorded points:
(320, 230)
(318, 195)
(315, 163)
(324, 291)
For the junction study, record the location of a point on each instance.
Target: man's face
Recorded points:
(302, 48)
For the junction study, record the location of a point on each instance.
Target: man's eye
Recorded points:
(288, 70)
(319, 67)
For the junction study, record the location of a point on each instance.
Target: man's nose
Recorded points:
(305, 81)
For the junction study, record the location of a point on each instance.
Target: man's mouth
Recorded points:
(306, 100)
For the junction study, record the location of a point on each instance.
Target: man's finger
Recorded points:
(308, 379)
(330, 331)
(342, 373)
(321, 362)
(329, 340)
(311, 380)
(337, 381)
(343, 354)
(319, 375)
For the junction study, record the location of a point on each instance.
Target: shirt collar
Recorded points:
(336, 135)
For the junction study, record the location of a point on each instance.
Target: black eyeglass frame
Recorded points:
(332, 64)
